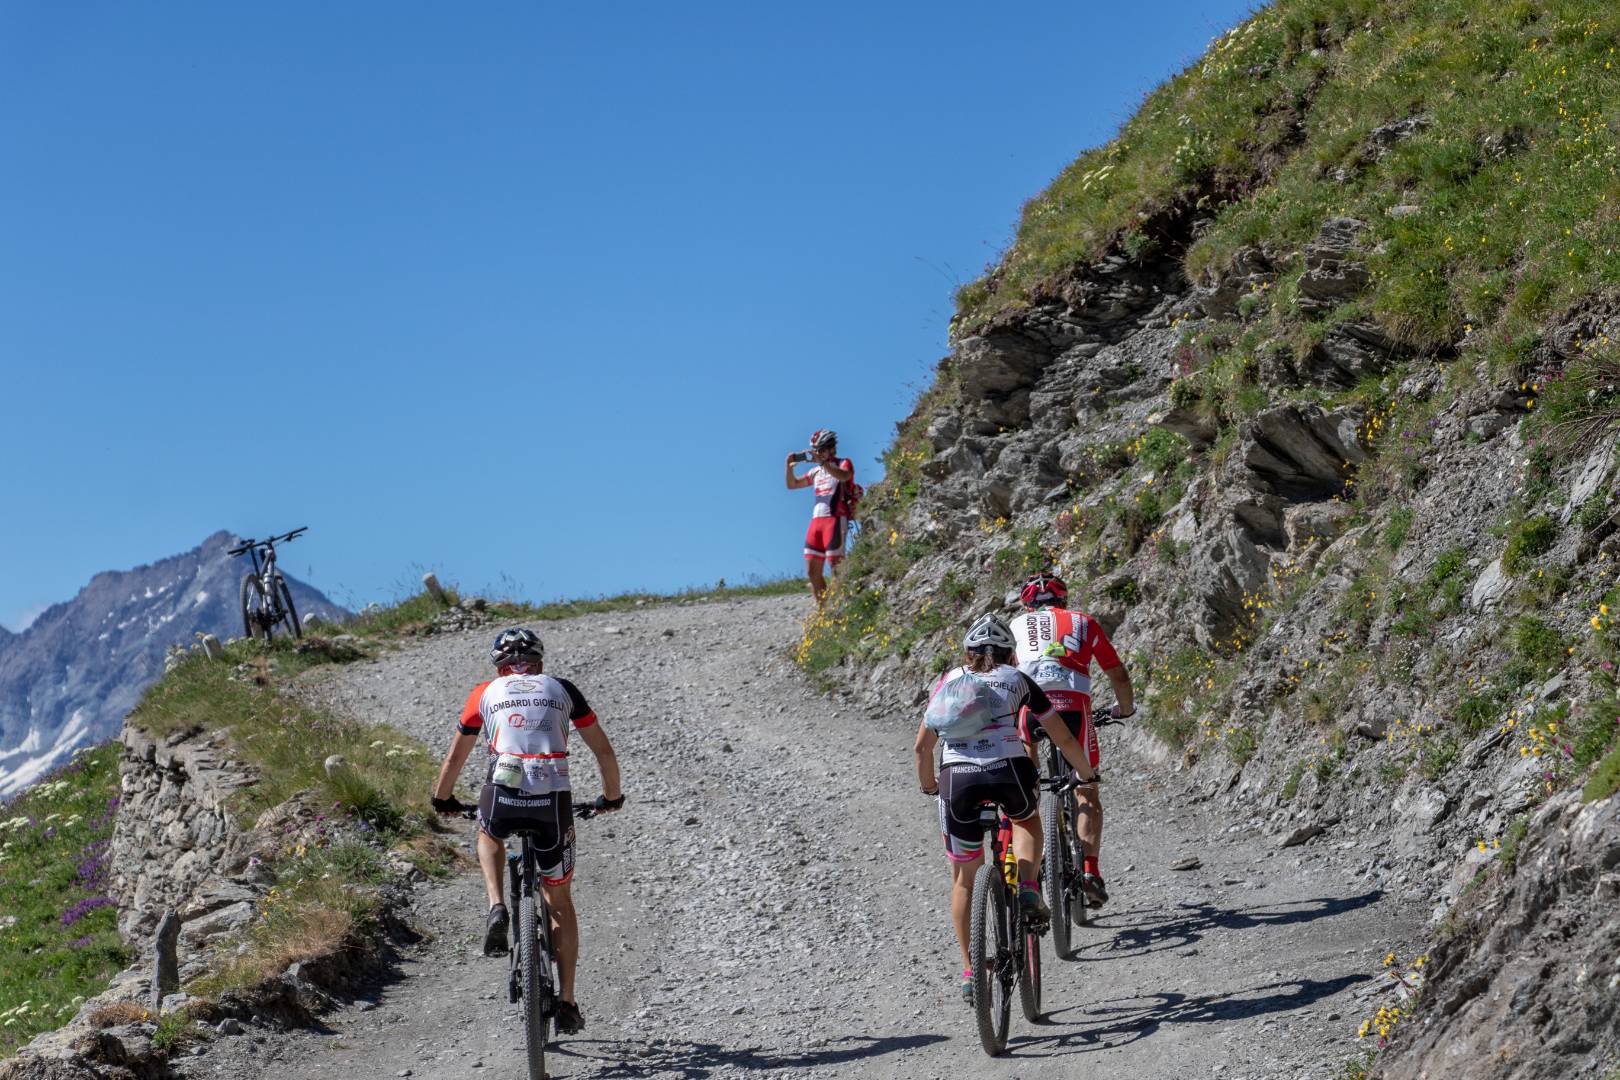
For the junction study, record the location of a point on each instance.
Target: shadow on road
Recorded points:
(1109, 1024)
(693, 1060)
(1137, 932)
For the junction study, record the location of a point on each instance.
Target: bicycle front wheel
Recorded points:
(1057, 870)
(534, 1005)
(255, 607)
(289, 613)
(988, 951)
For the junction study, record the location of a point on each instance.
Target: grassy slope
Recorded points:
(1515, 178)
(53, 878)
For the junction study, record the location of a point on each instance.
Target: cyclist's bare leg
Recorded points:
(564, 935)
(1088, 818)
(818, 583)
(491, 859)
(1026, 842)
(962, 902)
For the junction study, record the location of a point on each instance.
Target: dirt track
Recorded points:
(772, 900)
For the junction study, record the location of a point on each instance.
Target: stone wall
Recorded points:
(177, 838)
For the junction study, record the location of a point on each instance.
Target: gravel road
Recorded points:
(772, 901)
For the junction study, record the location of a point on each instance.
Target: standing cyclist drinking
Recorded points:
(832, 478)
(1055, 648)
(990, 765)
(525, 715)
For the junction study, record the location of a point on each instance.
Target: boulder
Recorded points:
(1331, 276)
(996, 373)
(1302, 452)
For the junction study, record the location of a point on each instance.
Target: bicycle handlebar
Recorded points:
(248, 545)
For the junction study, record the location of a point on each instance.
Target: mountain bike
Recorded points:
(1063, 854)
(1003, 948)
(266, 600)
(533, 979)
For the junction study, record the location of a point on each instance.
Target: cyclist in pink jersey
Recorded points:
(831, 476)
(991, 765)
(1056, 647)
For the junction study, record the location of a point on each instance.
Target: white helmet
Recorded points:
(989, 631)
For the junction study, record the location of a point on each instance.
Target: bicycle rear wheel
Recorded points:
(535, 1020)
(255, 607)
(1029, 967)
(988, 951)
(1057, 870)
(289, 613)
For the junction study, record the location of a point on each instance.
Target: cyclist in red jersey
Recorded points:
(829, 521)
(525, 716)
(1055, 648)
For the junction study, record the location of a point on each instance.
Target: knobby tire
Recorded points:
(534, 1005)
(987, 949)
(1073, 853)
(254, 605)
(1029, 969)
(289, 613)
(1058, 870)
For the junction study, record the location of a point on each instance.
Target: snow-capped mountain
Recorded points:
(72, 675)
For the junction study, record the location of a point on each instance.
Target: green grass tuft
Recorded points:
(1529, 539)
(1605, 779)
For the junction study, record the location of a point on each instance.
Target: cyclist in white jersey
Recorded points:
(525, 715)
(992, 766)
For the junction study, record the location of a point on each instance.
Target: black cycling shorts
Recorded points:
(1013, 784)
(548, 819)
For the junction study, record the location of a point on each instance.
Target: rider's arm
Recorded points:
(1124, 697)
(1108, 659)
(584, 720)
(923, 748)
(795, 481)
(454, 759)
(838, 469)
(1067, 744)
(467, 728)
(606, 762)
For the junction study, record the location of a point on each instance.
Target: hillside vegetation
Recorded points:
(1309, 383)
(58, 927)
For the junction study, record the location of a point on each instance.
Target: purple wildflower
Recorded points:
(85, 907)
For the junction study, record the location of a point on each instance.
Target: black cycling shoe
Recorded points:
(570, 1021)
(1036, 913)
(495, 931)
(1096, 892)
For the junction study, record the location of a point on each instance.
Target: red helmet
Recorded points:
(1044, 589)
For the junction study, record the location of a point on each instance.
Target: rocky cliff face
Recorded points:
(1367, 598)
(69, 679)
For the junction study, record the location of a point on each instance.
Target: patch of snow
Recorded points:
(202, 598)
(68, 740)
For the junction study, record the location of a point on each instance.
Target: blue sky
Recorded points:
(535, 295)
